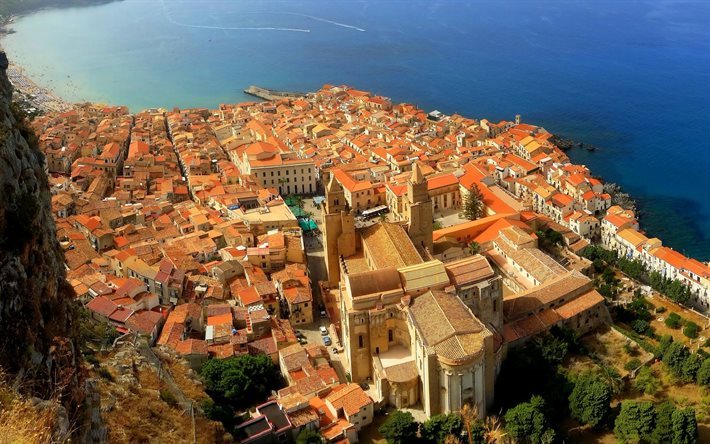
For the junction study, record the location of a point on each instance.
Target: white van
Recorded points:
(323, 331)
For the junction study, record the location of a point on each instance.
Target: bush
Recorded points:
(167, 397)
(673, 321)
(104, 373)
(643, 328)
(91, 359)
(240, 381)
(308, 436)
(691, 329)
(632, 364)
(646, 382)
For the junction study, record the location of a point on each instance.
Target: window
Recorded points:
(495, 305)
(390, 335)
(360, 341)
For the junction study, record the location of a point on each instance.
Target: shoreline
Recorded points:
(36, 99)
(32, 97)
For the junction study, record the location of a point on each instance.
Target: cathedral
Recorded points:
(420, 331)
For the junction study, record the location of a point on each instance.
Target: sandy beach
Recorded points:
(34, 96)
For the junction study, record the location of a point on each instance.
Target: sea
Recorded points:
(631, 78)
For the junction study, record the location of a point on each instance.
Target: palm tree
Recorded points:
(474, 248)
(490, 430)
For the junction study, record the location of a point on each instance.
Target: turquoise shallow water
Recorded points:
(629, 77)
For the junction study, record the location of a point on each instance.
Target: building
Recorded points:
(274, 168)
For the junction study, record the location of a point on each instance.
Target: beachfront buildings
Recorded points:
(620, 233)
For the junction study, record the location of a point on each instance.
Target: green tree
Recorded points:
(526, 422)
(240, 381)
(691, 329)
(399, 428)
(635, 422)
(663, 431)
(703, 376)
(663, 345)
(438, 427)
(646, 382)
(642, 327)
(675, 356)
(590, 398)
(552, 348)
(308, 436)
(673, 320)
(473, 207)
(548, 239)
(685, 427)
(633, 268)
(691, 366)
(599, 256)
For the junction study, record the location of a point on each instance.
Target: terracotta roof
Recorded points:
(469, 270)
(351, 398)
(447, 327)
(392, 246)
(192, 347)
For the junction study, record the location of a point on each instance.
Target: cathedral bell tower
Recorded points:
(419, 211)
(338, 230)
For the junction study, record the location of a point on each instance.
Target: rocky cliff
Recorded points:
(35, 311)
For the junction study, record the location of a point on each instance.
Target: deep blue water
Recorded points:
(632, 78)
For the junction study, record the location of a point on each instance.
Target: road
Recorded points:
(317, 271)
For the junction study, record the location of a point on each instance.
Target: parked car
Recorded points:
(326, 340)
(323, 314)
(302, 340)
(323, 330)
(335, 350)
(299, 334)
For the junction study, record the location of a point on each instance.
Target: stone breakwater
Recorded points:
(271, 94)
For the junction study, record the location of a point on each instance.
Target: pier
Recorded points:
(271, 94)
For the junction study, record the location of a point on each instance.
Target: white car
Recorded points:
(323, 330)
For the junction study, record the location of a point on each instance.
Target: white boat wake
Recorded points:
(320, 19)
(260, 28)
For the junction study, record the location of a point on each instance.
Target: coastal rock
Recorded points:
(3, 61)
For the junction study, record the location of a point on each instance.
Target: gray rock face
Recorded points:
(35, 315)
